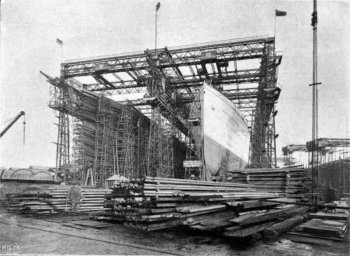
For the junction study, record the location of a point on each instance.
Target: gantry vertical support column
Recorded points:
(263, 149)
(60, 101)
(193, 170)
(78, 149)
(63, 145)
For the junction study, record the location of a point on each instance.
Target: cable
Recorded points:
(24, 130)
(9, 120)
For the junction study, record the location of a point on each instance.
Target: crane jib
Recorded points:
(22, 113)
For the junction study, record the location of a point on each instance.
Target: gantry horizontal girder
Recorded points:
(243, 70)
(173, 58)
(183, 68)
(241, 76)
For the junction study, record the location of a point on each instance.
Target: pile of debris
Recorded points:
(236, 209)
(54, 201)
(292, 182)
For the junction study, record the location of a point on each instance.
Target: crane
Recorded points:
(22, 113)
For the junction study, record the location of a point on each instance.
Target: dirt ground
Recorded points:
(65, 234)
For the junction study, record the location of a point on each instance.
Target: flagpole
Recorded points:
(61, 60)
(314, 153)
(60, 43)
(155, 41)
(156, 29)
(277, 13)
(274, 31)
(61, 54)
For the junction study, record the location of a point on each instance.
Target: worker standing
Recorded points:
(75, 197)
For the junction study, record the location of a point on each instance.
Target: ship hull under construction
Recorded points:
(222, 138)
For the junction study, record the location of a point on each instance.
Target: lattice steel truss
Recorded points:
(193, 156)
(60, 102)
(244, 70)
(263, 145)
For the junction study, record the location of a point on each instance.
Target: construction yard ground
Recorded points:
(67, 234)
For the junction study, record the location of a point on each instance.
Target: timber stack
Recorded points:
(236, 209)
(292, 182)
(326, 226)
(54, 201)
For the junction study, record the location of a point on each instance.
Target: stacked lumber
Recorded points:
(292, 182)
(159, 203)
(324, 227)
(54, 201)
(249, 223)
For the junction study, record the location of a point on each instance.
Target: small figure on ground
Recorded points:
(75, 197)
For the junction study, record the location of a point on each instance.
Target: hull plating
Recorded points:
(222, 139)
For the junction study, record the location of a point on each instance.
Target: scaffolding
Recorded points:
(160, 159)
(78, 154)
(104, 142)
(79, 147)
(295, 154)
(331, 158)
(63, 145)
(126, 145)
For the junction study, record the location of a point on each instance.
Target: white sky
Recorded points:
(100, 27)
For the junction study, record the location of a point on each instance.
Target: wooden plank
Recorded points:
(193, 182)
(308, 240)
(251, 204)
(155, 210)
(244, 232)
(192, 214)
(190, 188)
(329, 216)
(269, 215)
(165, 205)
(92, 224)
(158, 226)
(209, 218)
(197, 208)
(329, 238)
(264, 178)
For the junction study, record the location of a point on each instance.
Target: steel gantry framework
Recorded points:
(244, 70)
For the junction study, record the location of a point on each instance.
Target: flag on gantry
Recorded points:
(59, 41)
(280, 13)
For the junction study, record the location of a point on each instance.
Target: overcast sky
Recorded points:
(100, 27)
